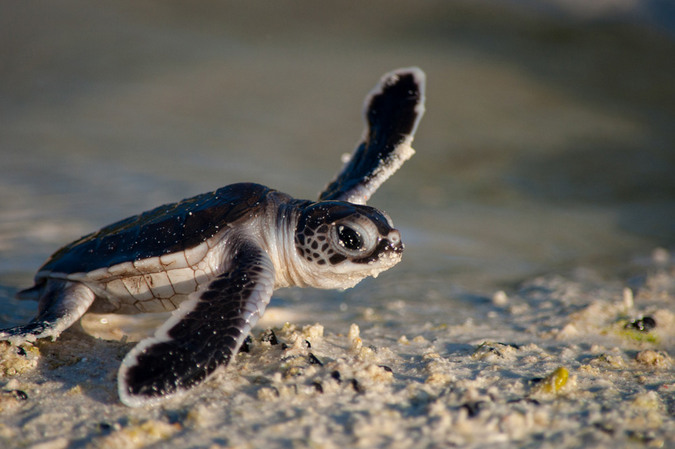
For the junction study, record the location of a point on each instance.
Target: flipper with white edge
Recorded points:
(392, 112)
(205, 333)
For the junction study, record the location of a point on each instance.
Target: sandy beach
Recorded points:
(562, 362)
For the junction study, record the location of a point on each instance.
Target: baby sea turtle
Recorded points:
(216, 258)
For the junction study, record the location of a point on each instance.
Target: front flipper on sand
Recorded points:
(203, 334)
(392, 112)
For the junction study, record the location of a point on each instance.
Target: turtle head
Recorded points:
(340, 243)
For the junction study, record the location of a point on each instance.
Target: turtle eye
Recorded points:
(349, 238)
(355, 237)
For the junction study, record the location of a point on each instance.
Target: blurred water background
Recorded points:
(548, 144)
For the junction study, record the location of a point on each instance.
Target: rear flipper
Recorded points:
(203, 334)
(61, 304)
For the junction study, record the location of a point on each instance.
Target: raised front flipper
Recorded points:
(203, 334)
(61, 304)
(392, 111)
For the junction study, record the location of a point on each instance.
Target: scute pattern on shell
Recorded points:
(167, 229)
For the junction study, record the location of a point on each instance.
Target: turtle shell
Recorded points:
(167, 229)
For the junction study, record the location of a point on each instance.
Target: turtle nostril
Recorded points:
(394, 239)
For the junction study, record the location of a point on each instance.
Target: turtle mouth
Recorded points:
(396, 248)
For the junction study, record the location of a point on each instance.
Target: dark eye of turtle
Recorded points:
(349, 238)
